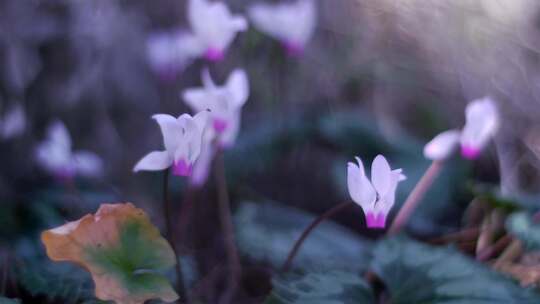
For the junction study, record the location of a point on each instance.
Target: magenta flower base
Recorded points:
(293, 49)
(219, 125)
(375, 220)
(214, 55)
(182, 168)
(470, 152)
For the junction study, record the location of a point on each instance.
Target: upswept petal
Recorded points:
(170, 130)
(201, 120)
(482, 122)
(381, 175)
(360, 189)
(228, 136)
(207, 80)
(87, 163)
(238, 87)
(202, 166)
(289, 22)
(154, 161)
(58, 134)
(197, 99)
(442, 145)
(54, 153)
(213, 23)
(13, 123)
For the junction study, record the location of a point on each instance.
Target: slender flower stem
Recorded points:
(415, 197)
(171, 236)
(185, 212)
(308, 230)
(227, 226)
(494, 249)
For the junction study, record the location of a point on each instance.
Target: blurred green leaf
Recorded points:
(9, 301)
(418, 273)
(56, 281)
(267, 232)
(522, 226)
(332, 287)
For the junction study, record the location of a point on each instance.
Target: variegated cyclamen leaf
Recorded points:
(417, 273)
(121, 249)
(332, 287)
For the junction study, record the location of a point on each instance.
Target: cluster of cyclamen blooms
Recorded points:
(376, 197)
(213, 28)
(190, 142)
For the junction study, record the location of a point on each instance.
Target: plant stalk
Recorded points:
(308, 230)
(415, 197)
(224, 206)
(171, 235)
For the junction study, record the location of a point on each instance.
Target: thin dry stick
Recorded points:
(509, 254)
(227, 226)
(171, 236)
(499, 245)
(308, 230)
(415, 197)
(491, 225)
(467, 234)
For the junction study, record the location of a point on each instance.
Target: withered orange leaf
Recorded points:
(121, 249)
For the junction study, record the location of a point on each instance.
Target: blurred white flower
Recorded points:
(13, 123)
(224, 102)
(202, 166)
(291, 23)
(55, 155)
(378, 196)
(214, 27)
(481, 124)
(182, 139)
(169, 52)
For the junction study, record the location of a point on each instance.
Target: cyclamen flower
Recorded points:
(168, 53)
(376, 197)
(182, 139)
(214, 27)
(482, 122)
(13, 123)
(224, 102)
(54, 154)
(201, 168)
(291, 23)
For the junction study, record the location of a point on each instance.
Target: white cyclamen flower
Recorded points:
(202, 166)
(224, 102)
(169, 52)
(55, 155)
(182, 138)
(13, 123)
(376, 197)
(481, 124)
(291, 23)
(214, 27)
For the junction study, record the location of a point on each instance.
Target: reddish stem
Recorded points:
(228, 228)
(415, 197)
(171, 236)
(308, 230)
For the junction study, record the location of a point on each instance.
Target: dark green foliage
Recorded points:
(416, 273)
(332, 287)
(267, 232)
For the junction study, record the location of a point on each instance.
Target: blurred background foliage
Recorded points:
(379, 77)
